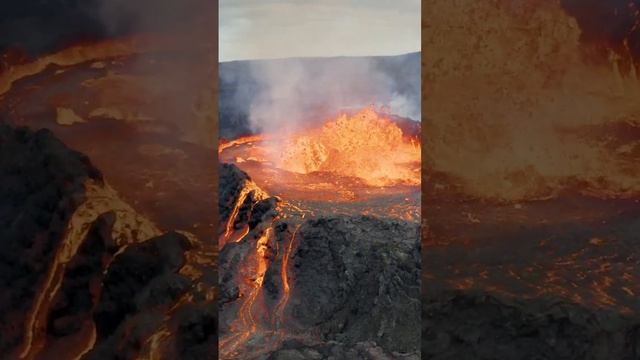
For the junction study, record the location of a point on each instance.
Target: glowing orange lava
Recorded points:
(366, 145)
(249, 188)
(365, 149)
(286, 287)
(247, 325)
(239, 141)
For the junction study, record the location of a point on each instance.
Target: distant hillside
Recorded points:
(306, 89)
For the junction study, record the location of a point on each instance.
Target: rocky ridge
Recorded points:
(83, 272)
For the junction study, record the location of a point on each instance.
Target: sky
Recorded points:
(267, 29)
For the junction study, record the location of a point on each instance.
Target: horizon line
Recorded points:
(317, 57)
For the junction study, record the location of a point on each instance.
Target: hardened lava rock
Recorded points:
(479, 326)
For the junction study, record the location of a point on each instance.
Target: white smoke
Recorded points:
(294, 93)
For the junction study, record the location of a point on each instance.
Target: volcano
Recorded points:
(319, 231)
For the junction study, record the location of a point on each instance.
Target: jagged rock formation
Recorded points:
(480, 326)
(358, 279)
(83, 276)
(354, 282)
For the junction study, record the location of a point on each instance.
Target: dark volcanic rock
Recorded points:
(358, 279)
(140, 288)
(41, 184)
(231, 182)
(476, 326)
(142, 277)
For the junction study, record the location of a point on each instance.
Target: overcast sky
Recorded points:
(262, 29)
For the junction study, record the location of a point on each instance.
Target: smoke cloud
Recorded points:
(288, 94)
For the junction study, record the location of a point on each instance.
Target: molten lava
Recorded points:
(367, 146)
(250, 188)
(286, 286)
(356, 162)
(239, 141)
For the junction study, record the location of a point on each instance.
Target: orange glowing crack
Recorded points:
(286, 287)
(245, 314)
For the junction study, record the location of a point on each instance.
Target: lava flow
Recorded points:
(250, 189)
(286, 287)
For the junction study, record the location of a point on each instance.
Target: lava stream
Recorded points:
(286, 287)
(245, 314)
(367, 146)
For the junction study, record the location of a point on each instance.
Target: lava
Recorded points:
(249, 189)
(363, 162)
(286, 287)
(359, 163)
(246, 324)
(223, 145)
(72, 56)
(525, 90)
(366, 146)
